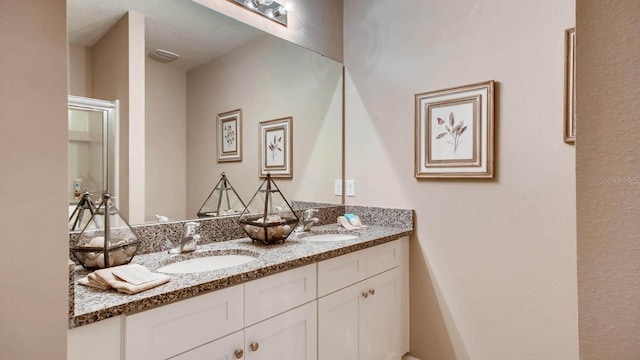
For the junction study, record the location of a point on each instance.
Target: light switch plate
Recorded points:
(337, 187)
(350, 187)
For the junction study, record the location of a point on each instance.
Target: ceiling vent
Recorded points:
(163, 55)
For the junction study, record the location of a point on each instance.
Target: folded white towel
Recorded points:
(143, 279)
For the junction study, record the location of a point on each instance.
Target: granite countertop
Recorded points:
(91, 305)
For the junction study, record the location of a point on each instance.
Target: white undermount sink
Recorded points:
(330, 237)
(207, 263)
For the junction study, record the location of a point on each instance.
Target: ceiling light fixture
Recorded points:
(268, 8)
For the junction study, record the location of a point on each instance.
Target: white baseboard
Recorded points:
(409, 357)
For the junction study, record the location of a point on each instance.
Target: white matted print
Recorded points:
(276, 148)
(229, 128)
(454, 132)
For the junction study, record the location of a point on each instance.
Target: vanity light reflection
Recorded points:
(268, 8)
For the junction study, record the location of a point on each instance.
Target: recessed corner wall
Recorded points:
(493, 262)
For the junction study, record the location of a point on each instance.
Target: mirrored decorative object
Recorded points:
(107, 239)
(222, 201)
(82, 213)
(268, 217)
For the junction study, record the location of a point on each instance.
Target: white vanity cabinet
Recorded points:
(367, 319)
(271, 311)
(350, 307)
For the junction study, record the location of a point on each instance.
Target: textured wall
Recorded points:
(493, 263)
(608, 178)
(33, 179)
(316, 25)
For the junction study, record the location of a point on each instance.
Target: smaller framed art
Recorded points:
(570, 86)
(454, 132)
(276, 148)
(229, 129)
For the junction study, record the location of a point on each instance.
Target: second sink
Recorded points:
(206, 263)
(330, 237)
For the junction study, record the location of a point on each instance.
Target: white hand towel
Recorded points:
(105, 277)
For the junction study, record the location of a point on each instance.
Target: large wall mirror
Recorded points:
(168, 162)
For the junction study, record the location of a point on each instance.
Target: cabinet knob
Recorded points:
(254, 346)
(239, 353)
(365, 294)
(372, 291)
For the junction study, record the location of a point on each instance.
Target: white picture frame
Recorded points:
(276, 148)
(454, 132)
(229, 136)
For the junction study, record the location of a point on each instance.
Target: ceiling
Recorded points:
(198, 34)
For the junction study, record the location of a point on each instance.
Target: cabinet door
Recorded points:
(288, 336)
(228, 348)
(380, 318)
(338, 324)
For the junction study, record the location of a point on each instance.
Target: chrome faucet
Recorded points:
(189, 239)
(307, 220)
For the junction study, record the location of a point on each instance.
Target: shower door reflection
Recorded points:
(92, 147)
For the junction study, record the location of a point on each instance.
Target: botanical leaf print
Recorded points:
(275, 146)
(229, 135)
(453, 129)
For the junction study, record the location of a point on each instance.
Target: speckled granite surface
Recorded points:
(382, 216)
(93, 305)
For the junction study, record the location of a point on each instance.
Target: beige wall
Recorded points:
(118, 74)
(493, 273)
(289, 82)
(33, 142)
(608, 179)
(316, 25)
(80, 77)
(165, 138)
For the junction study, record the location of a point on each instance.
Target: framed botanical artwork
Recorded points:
(276, 147)
(454, 132)
(570, 86)
(229, 129)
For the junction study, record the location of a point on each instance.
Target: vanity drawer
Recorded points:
(278, 293)
(172, 329)
(383, 257)
(340, 272)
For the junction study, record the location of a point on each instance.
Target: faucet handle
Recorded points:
(309, 213)
(190, 228)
